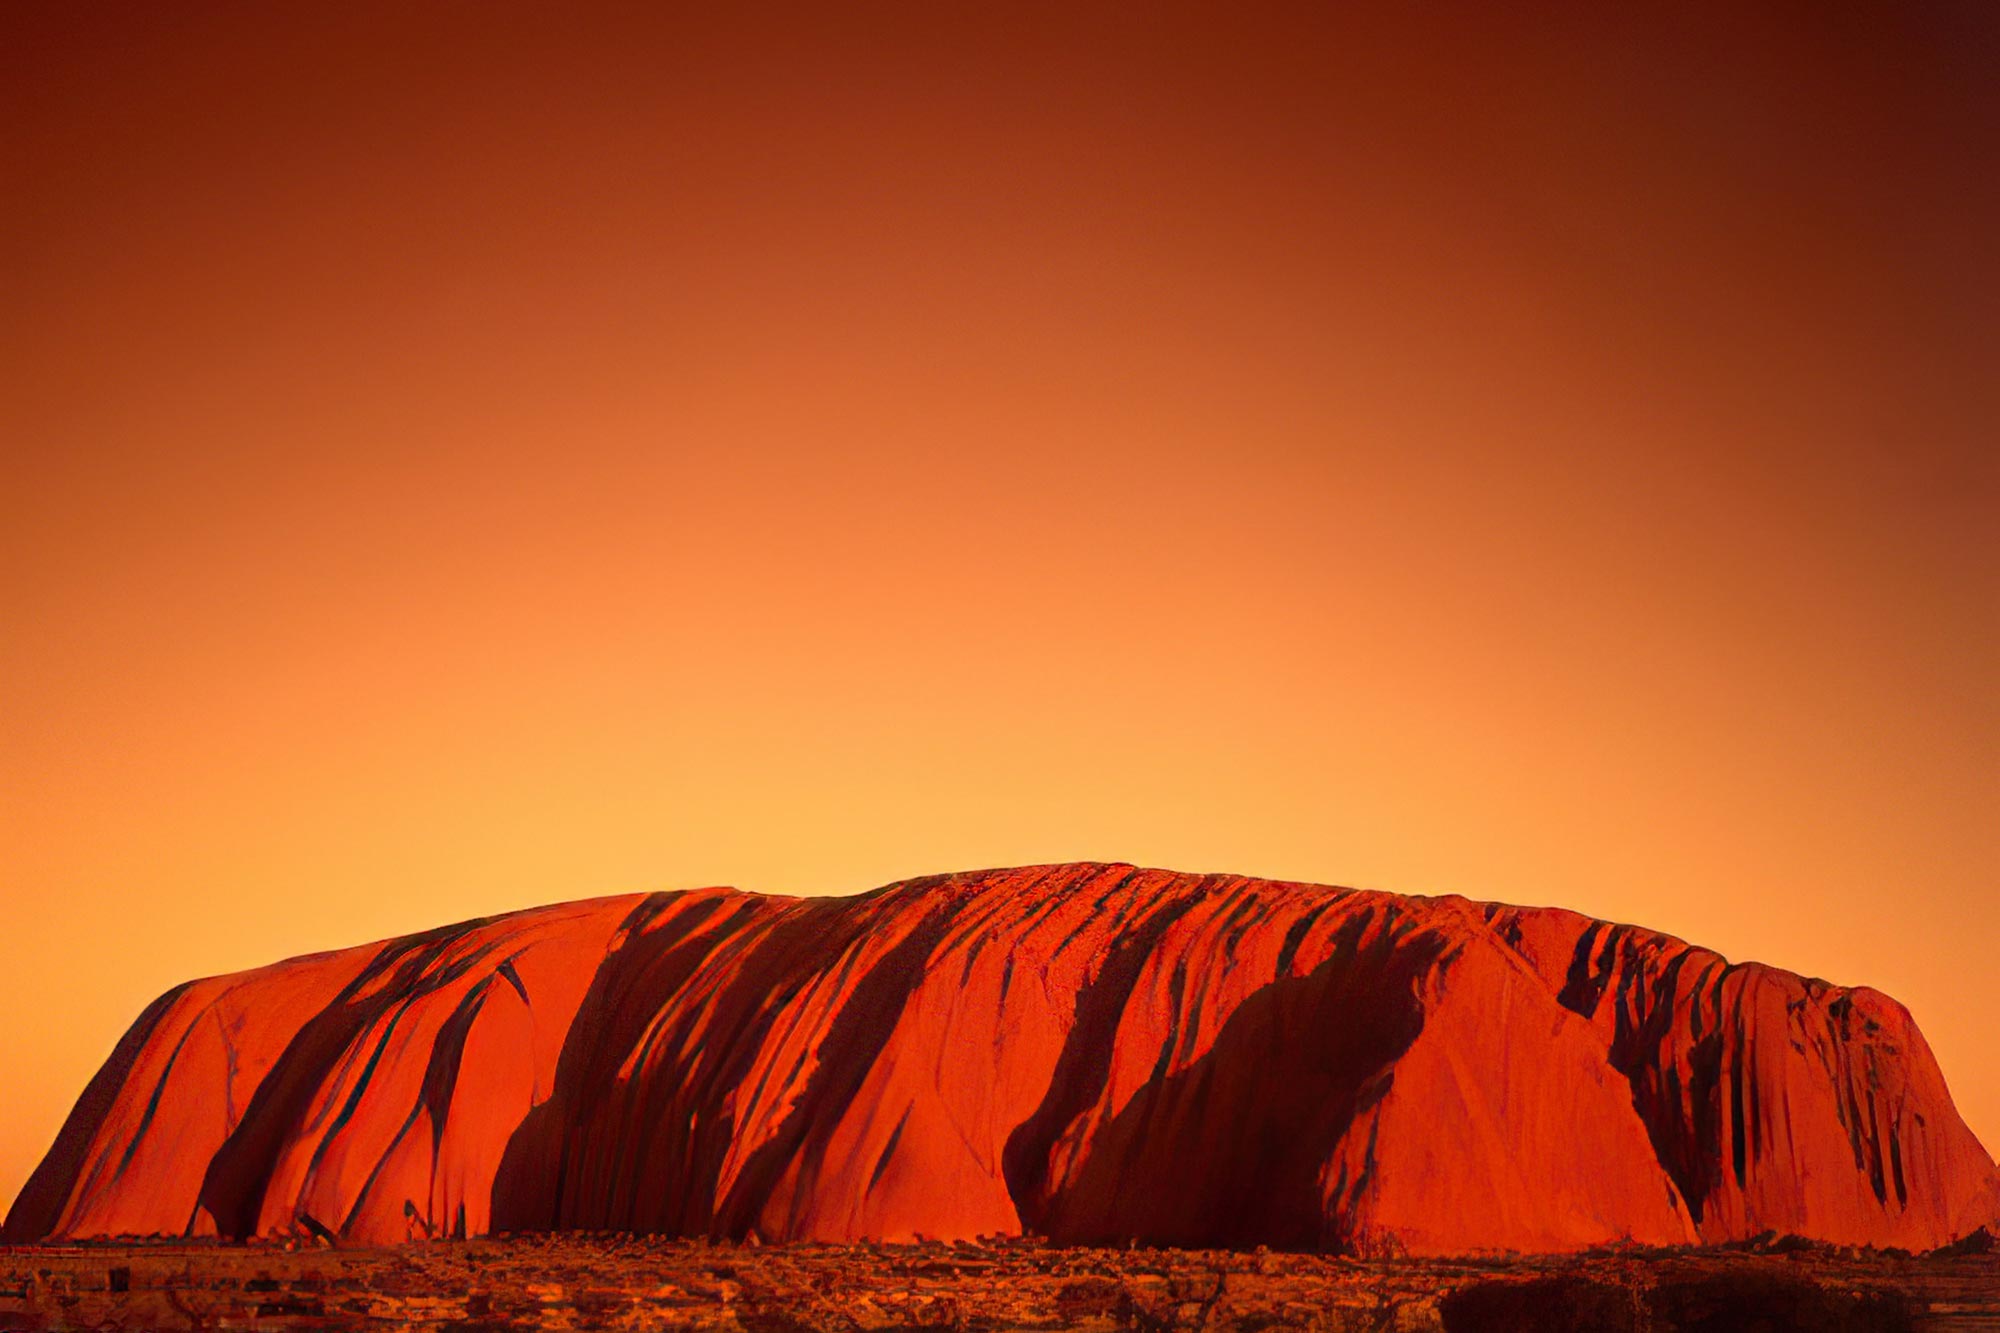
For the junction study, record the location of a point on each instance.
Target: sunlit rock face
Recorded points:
(1089, 1053)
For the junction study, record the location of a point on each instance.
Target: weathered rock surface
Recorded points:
(1089, 1053)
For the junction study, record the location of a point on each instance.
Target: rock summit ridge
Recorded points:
(1090, 1053)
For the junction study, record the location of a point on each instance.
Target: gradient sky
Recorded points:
(462, 457)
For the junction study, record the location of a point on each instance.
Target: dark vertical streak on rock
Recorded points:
(647, 1155)
(1295, 935)
(153, 1101)
(1585, 984)
(448, 1053)
(1259, 1185)
(1896, 1163)
(375, 1173)
(888, 1150)
(233, 1187)
(860, 1029)
(1082, 1068)
(1738, 1138)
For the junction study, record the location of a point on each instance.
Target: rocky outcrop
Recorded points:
(1088, 1053)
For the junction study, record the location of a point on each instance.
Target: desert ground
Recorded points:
(644, 1283)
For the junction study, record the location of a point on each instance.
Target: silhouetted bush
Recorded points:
(1756, 1300)
(1773, 1302)
(1979, 1242)
(1546, 1305)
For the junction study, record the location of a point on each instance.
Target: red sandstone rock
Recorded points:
(1089, 1053)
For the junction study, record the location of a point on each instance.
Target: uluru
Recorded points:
(1092, 1054)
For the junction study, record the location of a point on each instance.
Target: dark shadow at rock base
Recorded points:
(1777, 1302)
(1548, 1305)
(1763, 1302)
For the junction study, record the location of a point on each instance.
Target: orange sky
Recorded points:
(460, 457)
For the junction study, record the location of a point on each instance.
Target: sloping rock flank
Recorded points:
(1089, 1053)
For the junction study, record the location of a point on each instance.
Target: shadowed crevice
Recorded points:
(644, 1153)
(1084, 1065)
(1584, 986)
(234, 1186)
(1157, 1172)
(860, 1029)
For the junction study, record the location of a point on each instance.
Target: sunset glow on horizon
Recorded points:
(465, 458)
